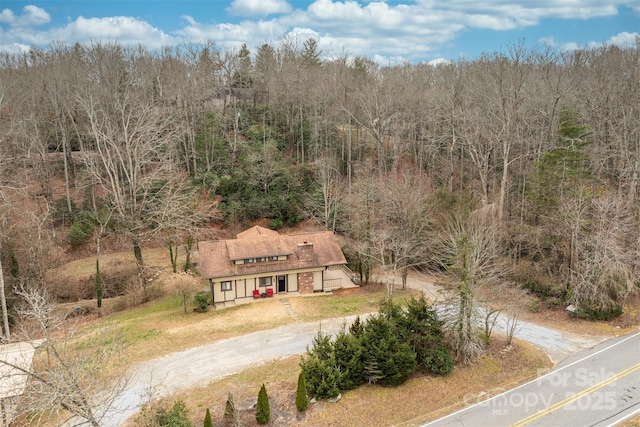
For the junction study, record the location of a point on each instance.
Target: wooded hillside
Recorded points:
(536, 152)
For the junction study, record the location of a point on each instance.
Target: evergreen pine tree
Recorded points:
(562, 172)
(386, 358)
(14, 267)
(357, 327)
(187, 250)
(302, 400)
(322, 374)
(348, 356)
(420, 327)
(263, 410)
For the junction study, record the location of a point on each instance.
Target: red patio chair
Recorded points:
(269, 292)
(256, 293)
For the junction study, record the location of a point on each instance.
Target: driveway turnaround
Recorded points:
(597, 387)
(200, 365)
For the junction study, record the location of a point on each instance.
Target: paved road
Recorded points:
(597, 387)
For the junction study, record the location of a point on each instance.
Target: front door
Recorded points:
(282, 283)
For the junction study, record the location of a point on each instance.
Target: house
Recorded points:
(262, 262)
(16, 360)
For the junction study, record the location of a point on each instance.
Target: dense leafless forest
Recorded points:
(522, 166)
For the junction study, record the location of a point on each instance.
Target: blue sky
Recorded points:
(390, 32)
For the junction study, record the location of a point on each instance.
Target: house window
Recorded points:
(248, 260)
(226, 286)
(273, 258)
(261, 259)
(265, 281)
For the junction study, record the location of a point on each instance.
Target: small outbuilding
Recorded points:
(16, 360)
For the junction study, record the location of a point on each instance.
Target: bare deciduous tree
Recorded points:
(325, 208)
(604, 267)
(76, 376)
(132, 156)
(469, 250)
(399, 219)
(185, 284)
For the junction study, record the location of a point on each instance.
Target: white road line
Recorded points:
(553, 372)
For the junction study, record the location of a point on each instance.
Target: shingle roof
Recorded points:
(13, 379)
(258, 247)
(257, 231)
(304, 250)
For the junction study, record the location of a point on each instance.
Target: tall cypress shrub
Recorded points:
(207, 419)
(302, 400)
(263, 411)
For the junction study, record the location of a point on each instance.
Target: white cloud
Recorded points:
(548, 41)
(14, 48)
(189, 19)
(568, 47)
(258, 7)
(250, 32)
(509, 14)
(124, 30)
(7, 16)
(411, 30)
(439, 61)
(31, 16)
(624, 39)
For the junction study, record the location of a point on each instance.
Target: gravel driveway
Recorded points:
(203, 364)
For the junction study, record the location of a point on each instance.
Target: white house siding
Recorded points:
(292, 282)
(229, 295)
(240, 287)
(243, 286)
(317, 280)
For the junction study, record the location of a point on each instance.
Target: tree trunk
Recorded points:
(65, 156)
(3, 303)
(137, 252)
(506, 148)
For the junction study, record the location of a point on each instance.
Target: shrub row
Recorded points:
(386, 349)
